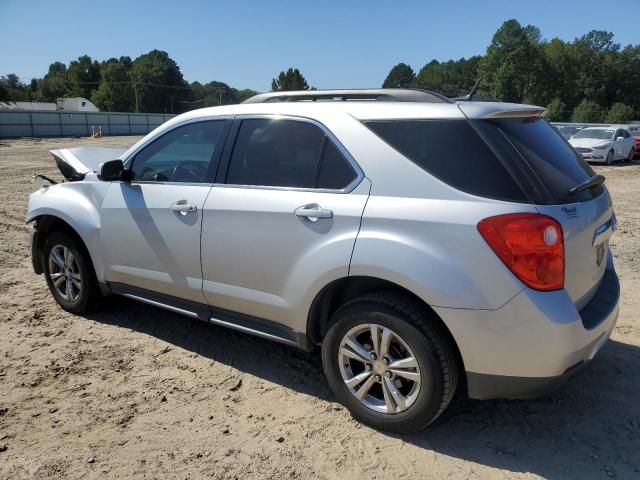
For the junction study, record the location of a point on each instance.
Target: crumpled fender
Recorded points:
(76, 203)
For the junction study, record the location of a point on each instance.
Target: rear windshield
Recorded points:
(513, 159)
(556, 164)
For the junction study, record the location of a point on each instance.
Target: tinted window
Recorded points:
(181, 155)
(552, 159)
(286, 153)
(625, 134)
(452, 151)
(335, 171)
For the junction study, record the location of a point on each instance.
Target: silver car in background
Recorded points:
(604, 144)
(428, 246)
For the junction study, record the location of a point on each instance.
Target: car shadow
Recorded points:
(590, 428)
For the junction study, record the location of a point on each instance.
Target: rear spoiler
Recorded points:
(477, 110)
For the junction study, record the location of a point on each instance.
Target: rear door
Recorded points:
(150, 232)
(282, 218)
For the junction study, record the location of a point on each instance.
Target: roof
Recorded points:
(365, 110)
(370, 94)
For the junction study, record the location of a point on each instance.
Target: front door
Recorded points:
(150, 232)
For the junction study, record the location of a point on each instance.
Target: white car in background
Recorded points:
(604, 144)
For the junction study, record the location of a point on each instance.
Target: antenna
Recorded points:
(469, 96)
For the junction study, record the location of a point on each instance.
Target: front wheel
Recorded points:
(69, 273)
(389, 362)
(609, 159)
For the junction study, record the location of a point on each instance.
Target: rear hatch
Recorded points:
(547, 168)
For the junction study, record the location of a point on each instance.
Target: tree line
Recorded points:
(151, 83)
(589, 79)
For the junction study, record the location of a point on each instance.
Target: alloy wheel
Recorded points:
(65, 273)
(379, 368)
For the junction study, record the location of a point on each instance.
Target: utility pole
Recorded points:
(135, 90)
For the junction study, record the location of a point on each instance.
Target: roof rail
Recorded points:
(371, 94)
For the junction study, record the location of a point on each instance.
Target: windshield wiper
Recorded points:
(587, 184)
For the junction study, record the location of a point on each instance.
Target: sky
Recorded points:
(335, 44)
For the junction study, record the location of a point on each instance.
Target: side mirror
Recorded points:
(111, 171)
(619, 139)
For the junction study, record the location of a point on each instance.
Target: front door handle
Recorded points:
(313, 212)
(183, 208)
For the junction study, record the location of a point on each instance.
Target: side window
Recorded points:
(453, 152)
(286, 153)
(181, 155)
(335, 171)
(625, 134)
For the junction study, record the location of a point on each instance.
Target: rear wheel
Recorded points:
(609, 159)
(389, 363)
(69, 273)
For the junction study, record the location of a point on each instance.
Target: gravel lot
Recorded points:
(135, 392)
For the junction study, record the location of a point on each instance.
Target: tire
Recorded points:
(78, 291)
(609, 159)
(629, 158)
(411, 326)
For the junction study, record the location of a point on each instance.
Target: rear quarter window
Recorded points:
(452, 151)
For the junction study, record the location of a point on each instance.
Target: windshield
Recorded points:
(599, 133)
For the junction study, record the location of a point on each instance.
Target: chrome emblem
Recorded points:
(599, 253)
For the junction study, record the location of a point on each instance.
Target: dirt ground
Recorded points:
(136, 392)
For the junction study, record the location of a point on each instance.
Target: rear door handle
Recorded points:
(313, 212)
(183, 208)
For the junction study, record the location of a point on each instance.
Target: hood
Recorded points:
(75, 163)
(588, 142)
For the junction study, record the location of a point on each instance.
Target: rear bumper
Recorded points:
(483, 387)
(535, 342)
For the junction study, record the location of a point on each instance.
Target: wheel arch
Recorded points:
(46, 224)
(342, 290)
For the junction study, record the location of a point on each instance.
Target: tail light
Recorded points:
(530, 245)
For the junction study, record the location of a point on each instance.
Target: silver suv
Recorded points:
(427, 245)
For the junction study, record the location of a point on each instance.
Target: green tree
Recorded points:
(596, 76)
(11, 88)
(587, 112)
(158, 82)
(54, 84)
(514, 65)
(292, 79)
(557, 111)
(400, 76)
(83, 76)
(506, 83)
(620, 113)
(245, 93)
(115, 92)
(453, 78)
